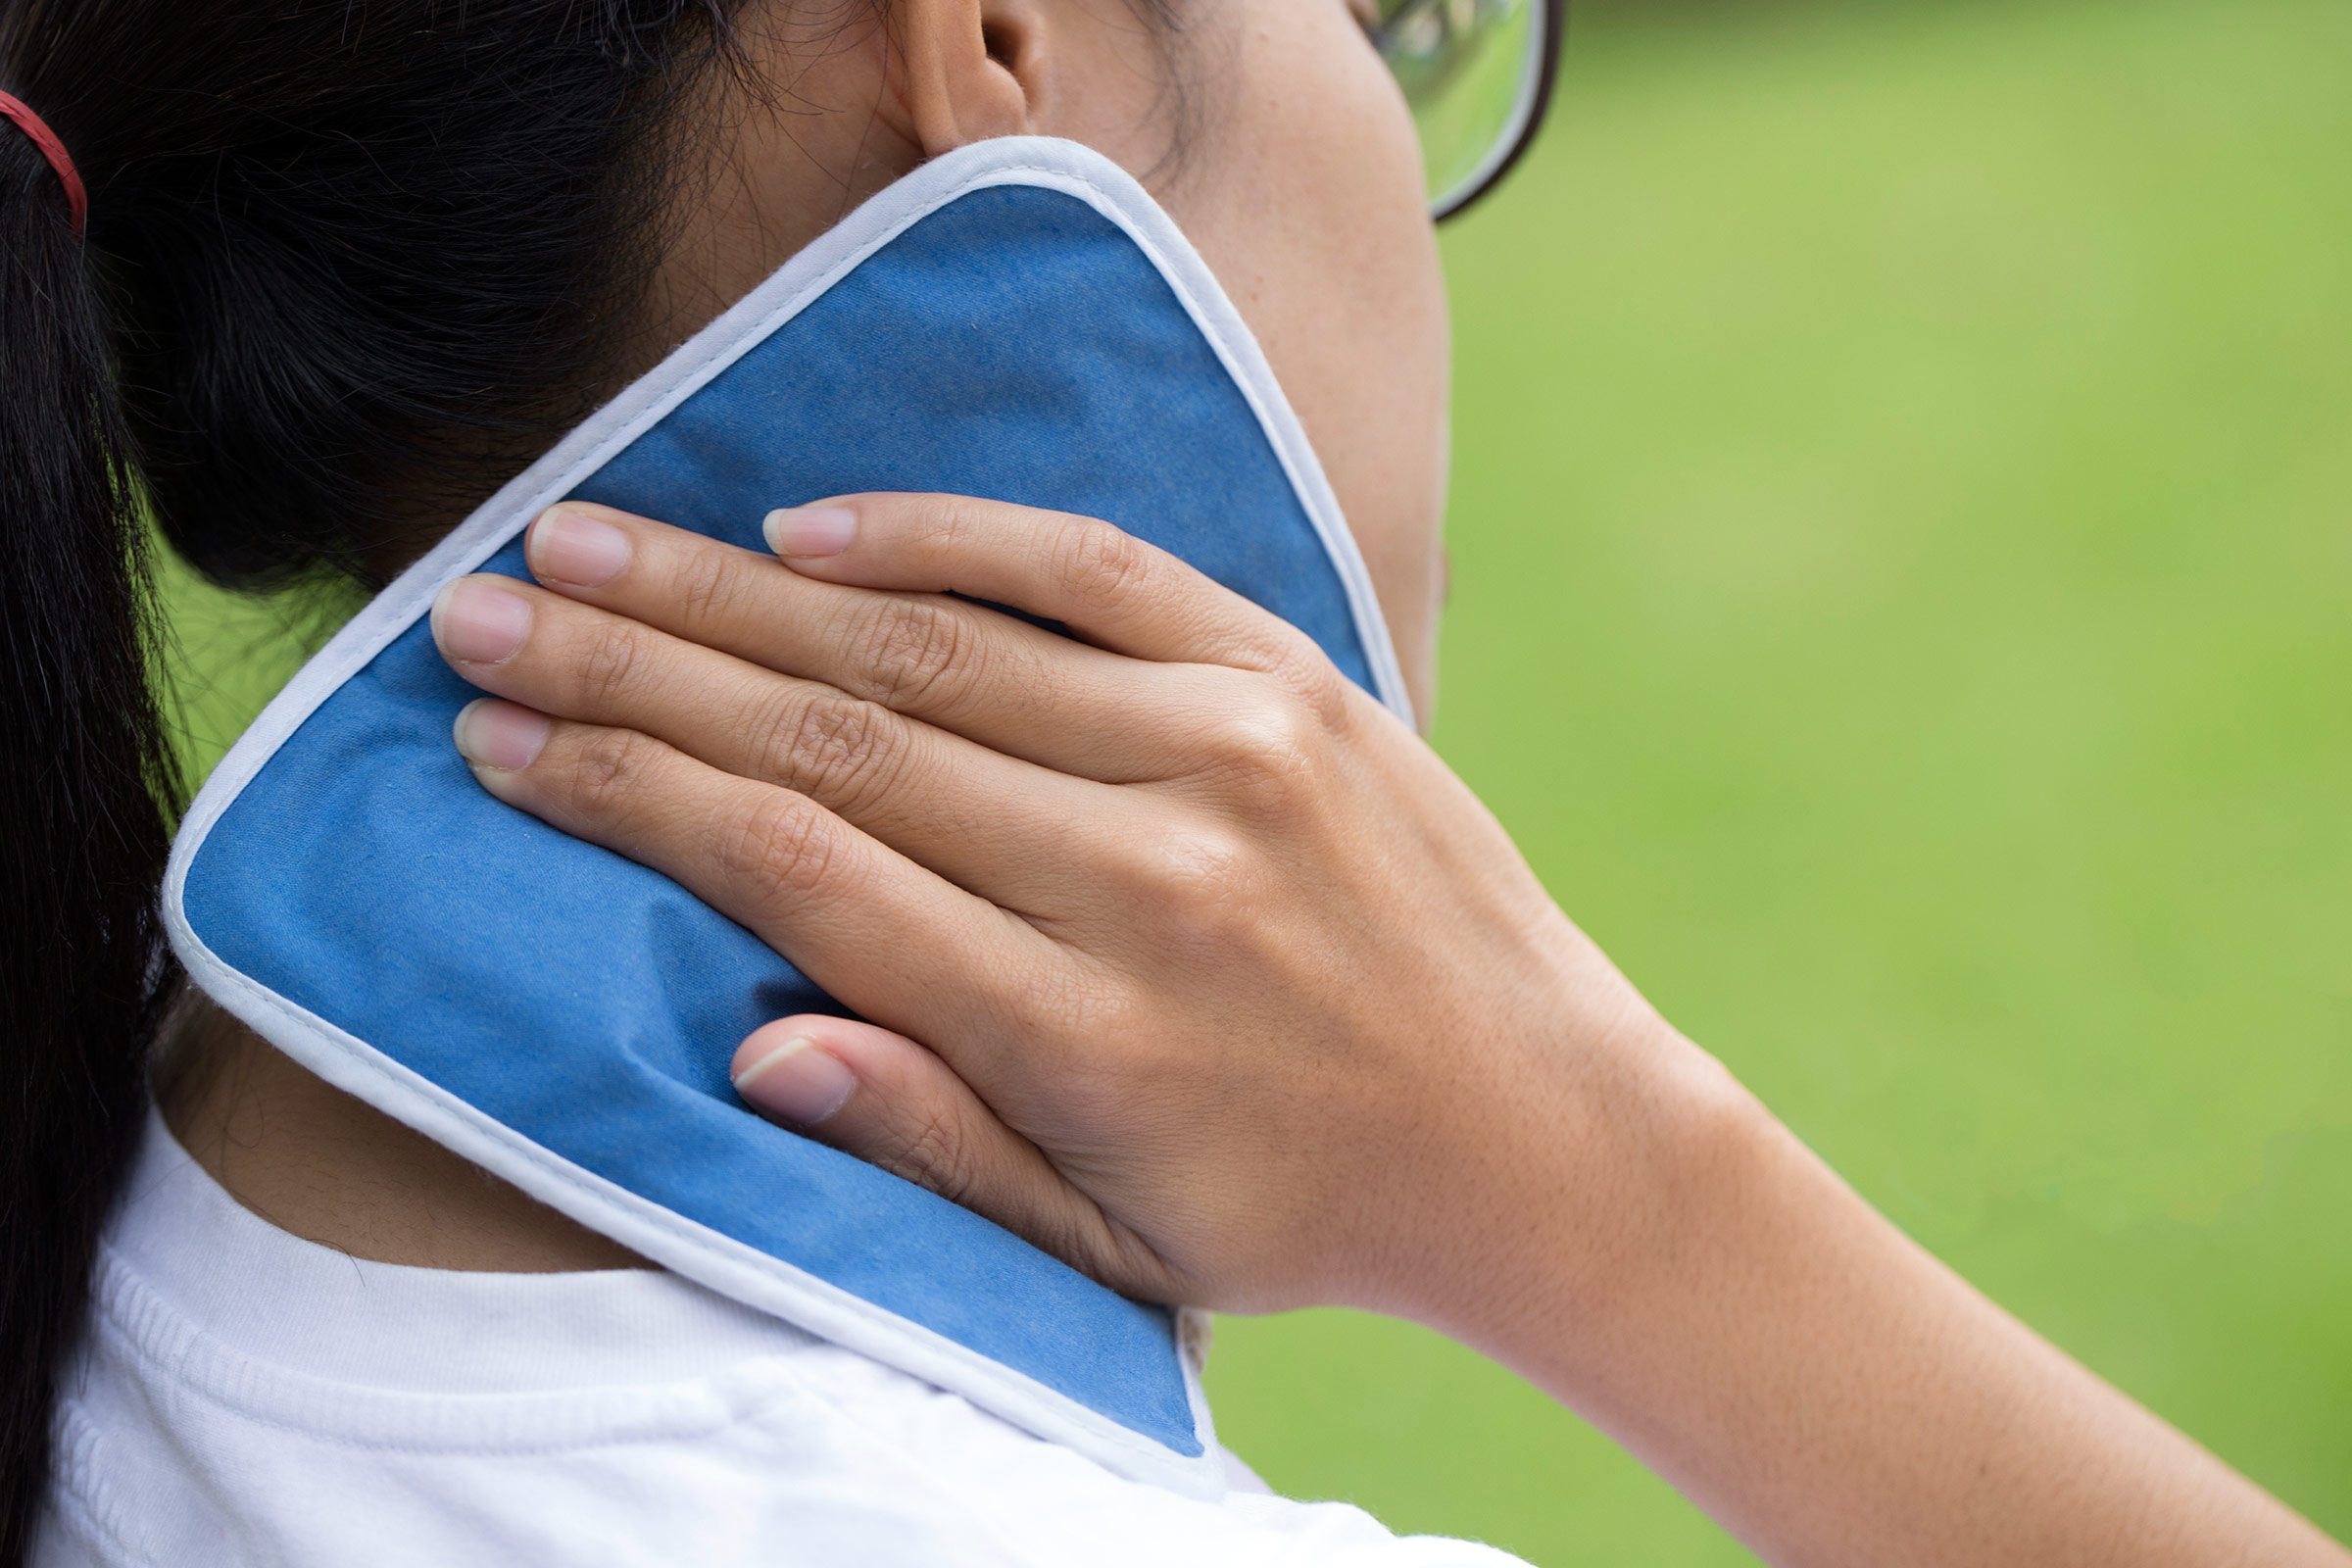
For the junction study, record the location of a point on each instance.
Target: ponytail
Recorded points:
(84, 785)
(346, 268)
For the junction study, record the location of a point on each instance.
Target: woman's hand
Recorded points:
(1226, 990)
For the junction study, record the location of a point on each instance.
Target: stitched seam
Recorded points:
(71, 1510)
(205, 1368)
(78, 1486)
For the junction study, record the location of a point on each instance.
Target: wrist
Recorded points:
(1583, 1194)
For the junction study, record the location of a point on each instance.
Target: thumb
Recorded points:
(888, 1100)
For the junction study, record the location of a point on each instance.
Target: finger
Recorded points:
(1012, 687)
(996, 825)
(882, 933)
(881, 1096)
(1106, 585)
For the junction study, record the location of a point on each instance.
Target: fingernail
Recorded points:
(799, 1081)
(495, 734)
(478, 623)
(571, 547)
(809, 530)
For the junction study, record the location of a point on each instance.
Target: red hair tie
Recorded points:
(77, 198)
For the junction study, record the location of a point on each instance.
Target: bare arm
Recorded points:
(1832, 1394)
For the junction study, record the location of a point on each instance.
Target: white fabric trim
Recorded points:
(691, 1249)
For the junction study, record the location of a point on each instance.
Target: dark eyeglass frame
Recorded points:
(1528, 115)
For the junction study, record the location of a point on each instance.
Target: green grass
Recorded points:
(1901, 529)
(1901, 539)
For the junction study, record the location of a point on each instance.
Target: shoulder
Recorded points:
(195, 1454)
(248, 1396)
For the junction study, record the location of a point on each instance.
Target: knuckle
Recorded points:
(913, 649)
(777, 847)
(834, 747)
(917, 525)
(604, 767)
(933, 1152)
(1202, 879)
(1270, 750)
(947, 524)
(609, 661)
(1100, 562)
(1309, 676)
(705, 586)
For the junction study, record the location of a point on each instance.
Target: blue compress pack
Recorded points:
(1016, 320)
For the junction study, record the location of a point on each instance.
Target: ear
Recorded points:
(971, 67)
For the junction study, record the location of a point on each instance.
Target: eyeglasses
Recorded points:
(1478, 77)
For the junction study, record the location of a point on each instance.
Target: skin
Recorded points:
(1243, 1000)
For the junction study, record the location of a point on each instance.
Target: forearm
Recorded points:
(1834, 1395)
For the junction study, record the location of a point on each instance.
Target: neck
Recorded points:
(314, 1161)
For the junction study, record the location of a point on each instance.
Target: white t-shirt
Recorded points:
(250, 1397)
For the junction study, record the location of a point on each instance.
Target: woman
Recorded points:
(1321, 1037)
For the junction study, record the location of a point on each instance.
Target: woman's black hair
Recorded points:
(339, 252)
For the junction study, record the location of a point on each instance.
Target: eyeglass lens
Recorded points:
(1477, 74)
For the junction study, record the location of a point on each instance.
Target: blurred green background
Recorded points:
(1903, 541)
